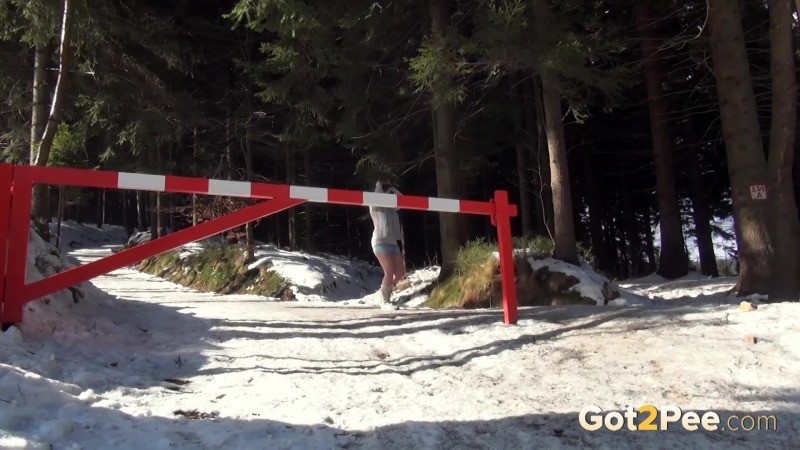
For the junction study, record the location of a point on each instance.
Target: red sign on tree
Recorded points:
(758, 192)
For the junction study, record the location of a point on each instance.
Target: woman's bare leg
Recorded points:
(399, 265)
(386, 261)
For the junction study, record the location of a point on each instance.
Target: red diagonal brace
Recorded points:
(22, 293)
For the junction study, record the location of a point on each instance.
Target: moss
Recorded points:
(220, 269)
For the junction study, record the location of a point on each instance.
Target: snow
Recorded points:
(112, 370)
(74, 235)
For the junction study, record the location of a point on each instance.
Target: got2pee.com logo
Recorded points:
(669, 417)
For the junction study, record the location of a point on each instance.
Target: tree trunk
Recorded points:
(60, 216)
(101, 208)
(309, 211)
(785, 283)
(612, 247)
(160, 210)
(649, 247)
(700, 209)
(195, 153)
(155, 203)
(447, 179)
(228, 144)
(564, 226)
(566, 248)
(523, 166)
(41, 98)
(595, 213)
(624, 245)
(535, 129)
(194, 209)
(125, 219)
(631, 231)
(743, 145)
(292, 212)
(141, 212)
(41, 193)
(160, 214)
(673, 261)
(279, 216)
(248, 143)
(169, 213)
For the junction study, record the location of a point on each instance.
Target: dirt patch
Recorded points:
(196, 415)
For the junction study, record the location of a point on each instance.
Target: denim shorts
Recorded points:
(386, 248)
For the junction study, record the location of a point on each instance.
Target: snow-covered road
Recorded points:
(303, 375)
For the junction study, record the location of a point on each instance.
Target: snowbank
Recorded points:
(590, 283)
(66, 311)
(75, 235)
(320, 278)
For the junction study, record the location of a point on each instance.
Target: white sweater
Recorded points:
(386, 221)
(387, 225)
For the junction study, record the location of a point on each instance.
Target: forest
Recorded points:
(625, 130)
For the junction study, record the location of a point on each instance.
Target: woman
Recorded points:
(386, 243)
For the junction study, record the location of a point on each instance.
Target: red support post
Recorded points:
(502, 220)
(6, 179)
(18, 236)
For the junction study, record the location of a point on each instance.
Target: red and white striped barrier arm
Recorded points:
(190, 185)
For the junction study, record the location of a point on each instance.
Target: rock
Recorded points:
(285, 294)
(609, 293)
(750, 339)
(747, 306)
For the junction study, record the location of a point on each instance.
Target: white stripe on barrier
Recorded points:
(308, 193)
(138, 181)
(443, 204)
(226, 187)
(380, 199)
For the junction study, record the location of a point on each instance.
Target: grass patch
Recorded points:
(220, 269)
(475, 279)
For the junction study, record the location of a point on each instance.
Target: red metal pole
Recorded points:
(6, 178)
(502, 220)
(133, 255)
(18, 235)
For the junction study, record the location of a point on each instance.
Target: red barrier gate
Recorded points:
(16, 184)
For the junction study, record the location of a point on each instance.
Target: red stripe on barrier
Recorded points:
(412, 202)
(186, 185)
(266, 190)
(69, 177)
(345, 197)
(473, 207)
